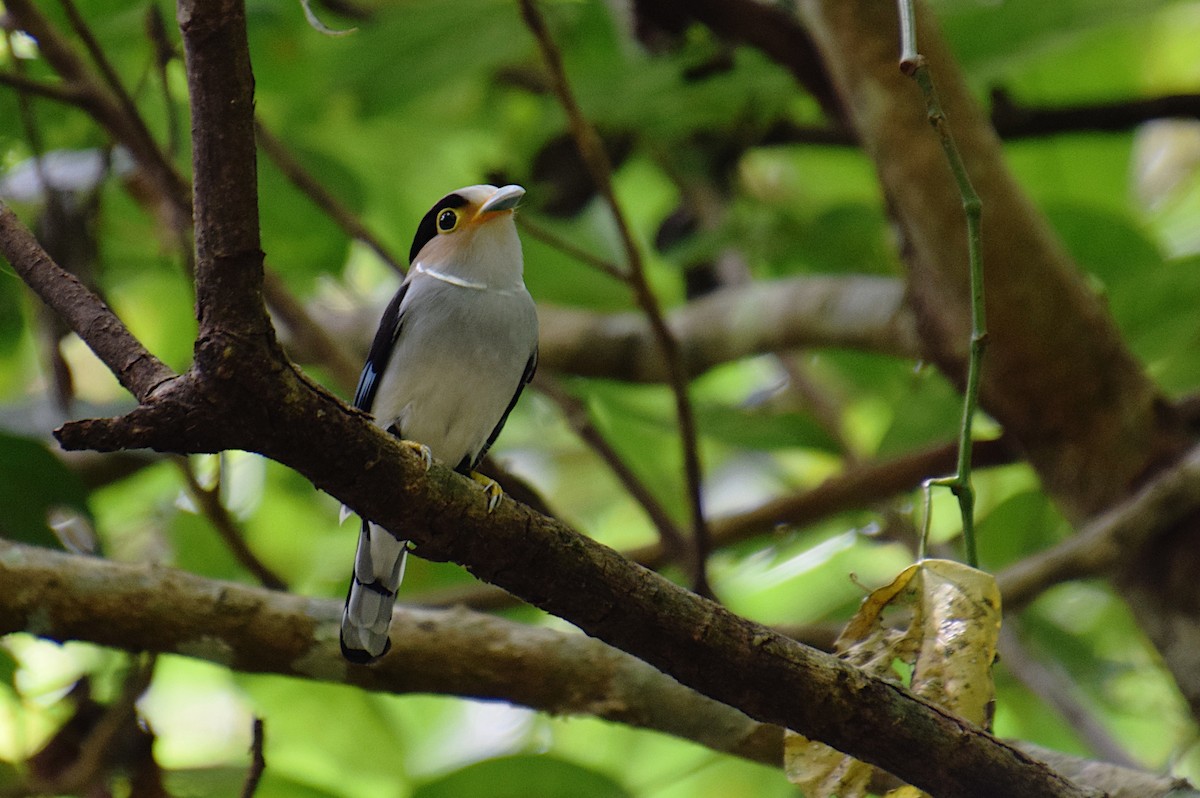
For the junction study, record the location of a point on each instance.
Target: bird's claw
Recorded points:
(491, 487)
(420, 450)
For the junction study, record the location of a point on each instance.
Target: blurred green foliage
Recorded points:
(425, 97)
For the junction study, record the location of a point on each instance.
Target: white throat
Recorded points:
(461, 282)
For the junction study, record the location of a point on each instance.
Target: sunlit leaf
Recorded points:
(934, 629)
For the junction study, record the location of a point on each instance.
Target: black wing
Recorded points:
(381, 352)
(530, 370)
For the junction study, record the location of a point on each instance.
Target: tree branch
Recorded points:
(701, 644)
(868, 313)
(308, 185)
(1107, 541)
(208, 500)
(575, 412)
(60, 92)
(138, 371)
(229, 257)
(860, 487)
(1013, 120)
(452, 652)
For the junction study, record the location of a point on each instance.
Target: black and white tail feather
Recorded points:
(378, 571)
(455, 347)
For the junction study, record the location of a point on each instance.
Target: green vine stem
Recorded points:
(913, 64)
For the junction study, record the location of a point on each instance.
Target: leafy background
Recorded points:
(415, 103)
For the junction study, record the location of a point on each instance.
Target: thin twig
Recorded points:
(208, 500)
(308, 185)
(97, 750)
(258, 762)
(913, 64)
(53, 219)
(164, 54)
(64, 93)
(136, 369)
(567, 248)
(576, 415)
(100, 59)
(592, 151)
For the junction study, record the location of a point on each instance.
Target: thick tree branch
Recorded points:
(771, 678)
(229, 258)
(863, 486)
(1059, 378)
(455, 652)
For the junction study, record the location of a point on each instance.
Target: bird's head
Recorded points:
(470, 234)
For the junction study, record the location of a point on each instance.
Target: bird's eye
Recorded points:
(447, 220)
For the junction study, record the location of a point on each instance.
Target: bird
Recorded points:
(455, 347)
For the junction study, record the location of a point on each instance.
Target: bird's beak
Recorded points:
(505, 199)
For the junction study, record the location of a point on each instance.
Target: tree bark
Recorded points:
(1056, 375)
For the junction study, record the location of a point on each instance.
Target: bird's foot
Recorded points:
(491, 487)
(420, 450)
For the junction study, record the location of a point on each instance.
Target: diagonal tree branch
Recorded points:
(704, 646)
(1105, 542)
(138, 371)
(303, 180)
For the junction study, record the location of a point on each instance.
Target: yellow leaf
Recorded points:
(933, 629)
(906, 792)
(823, 771)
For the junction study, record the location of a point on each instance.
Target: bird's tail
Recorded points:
(378, 569)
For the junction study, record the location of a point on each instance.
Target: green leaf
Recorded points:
(32, 482)
(756, 429)
(523, 776)
(225, 780)
(1021, 523)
